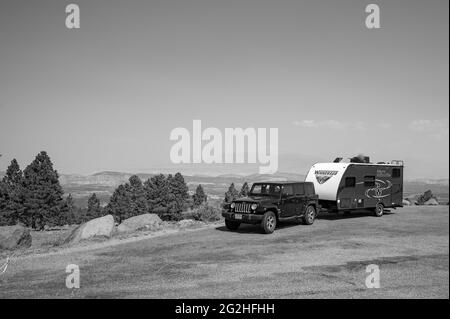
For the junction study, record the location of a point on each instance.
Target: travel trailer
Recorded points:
(358, 184)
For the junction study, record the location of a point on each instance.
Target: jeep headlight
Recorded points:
(232, 205)
(254, 206)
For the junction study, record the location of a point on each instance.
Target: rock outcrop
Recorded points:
(145, 221)
(98, 227)
(13, 237)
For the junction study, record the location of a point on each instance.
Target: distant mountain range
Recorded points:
(104, 183)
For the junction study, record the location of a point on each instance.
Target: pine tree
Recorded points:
(94, 209)
(119, 203)
(157, 193)
(178, 196)
(43, 193)
(68, 212)
(4, 198)
(137, 192)
(199, 197)
(245, 189)
(231, 194)
(13, 184)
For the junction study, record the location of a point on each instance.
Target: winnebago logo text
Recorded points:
(230, 149)
(323, 176)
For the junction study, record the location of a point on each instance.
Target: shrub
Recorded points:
(206, 213)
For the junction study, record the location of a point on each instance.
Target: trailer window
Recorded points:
(396, 173)
(369, 181)
(350, 181)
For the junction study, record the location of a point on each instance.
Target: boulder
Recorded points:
(432, 202)
(145, 221)
(425, 197)
(13, 237)
(98, 227)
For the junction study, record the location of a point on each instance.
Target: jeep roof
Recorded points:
(282, 183)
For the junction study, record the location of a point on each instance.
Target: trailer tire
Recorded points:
(310, 215)
(379, 210)
(232, 225)
(269, 222)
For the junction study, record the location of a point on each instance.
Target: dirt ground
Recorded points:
(325, 260)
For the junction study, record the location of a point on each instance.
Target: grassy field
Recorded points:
(325, 260)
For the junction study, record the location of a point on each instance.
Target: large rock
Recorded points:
(13, 237)
(98, 227)
(145, 221)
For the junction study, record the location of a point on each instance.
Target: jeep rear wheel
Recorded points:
(310, 215)
(232, 225)
(379, 210)
(269, 222)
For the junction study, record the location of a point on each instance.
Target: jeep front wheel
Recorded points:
(269, 222)
(310, 215)
(232, 225)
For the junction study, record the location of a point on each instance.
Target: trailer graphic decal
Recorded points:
(322, 176)
(380, 187)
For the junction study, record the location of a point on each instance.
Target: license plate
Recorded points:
(237, 216)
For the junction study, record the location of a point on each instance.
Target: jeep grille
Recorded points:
(242, 207)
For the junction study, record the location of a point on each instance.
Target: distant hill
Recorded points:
(104, 183)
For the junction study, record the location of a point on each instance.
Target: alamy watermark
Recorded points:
(73, 277)
(226, 148)
(373, 279)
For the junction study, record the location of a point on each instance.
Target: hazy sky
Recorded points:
(107, 95)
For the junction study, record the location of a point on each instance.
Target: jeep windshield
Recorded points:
(262, 189)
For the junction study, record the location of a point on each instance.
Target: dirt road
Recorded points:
(325, 260)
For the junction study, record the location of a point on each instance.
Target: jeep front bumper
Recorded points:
(245, 218)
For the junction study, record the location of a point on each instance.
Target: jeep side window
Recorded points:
(299, 189)
(396, 173)
(309, 189)
(288, 190)
(369, 181)
(350, 182)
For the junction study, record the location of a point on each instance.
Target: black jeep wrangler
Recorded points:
(271, 202)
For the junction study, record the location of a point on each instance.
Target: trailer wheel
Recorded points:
(232, 225)
(310, 215)
(269, 222)
(379, 210)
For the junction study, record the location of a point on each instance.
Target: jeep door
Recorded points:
(302, 199)
(288, 201)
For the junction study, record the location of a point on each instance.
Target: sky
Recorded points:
(107, 95)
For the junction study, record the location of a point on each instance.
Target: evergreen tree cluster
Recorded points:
(232, 193)
(165, 196)
(33, 197)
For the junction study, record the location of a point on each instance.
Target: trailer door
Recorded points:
(347, 194)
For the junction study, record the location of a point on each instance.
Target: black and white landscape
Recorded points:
(130, 130)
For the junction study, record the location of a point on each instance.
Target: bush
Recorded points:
(206, 213)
